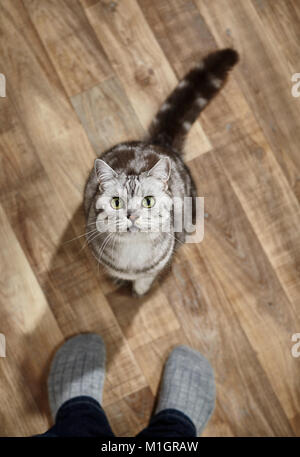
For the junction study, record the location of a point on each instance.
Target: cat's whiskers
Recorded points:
(113, 248)
(92, 238)
(80, 236)
(173, 236)
(89, 238)
(105, 243)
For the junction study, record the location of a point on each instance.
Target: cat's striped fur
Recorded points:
(152, 167)
(191, 96)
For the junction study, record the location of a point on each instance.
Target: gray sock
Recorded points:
(78, 368)
(188, 385)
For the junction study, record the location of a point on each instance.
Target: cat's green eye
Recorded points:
(116, 203)
(148, 202)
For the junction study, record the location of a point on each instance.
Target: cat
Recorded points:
(130, 193)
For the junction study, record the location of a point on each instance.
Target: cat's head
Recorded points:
(133, 203)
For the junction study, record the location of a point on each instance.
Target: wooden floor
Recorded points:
(84, 75)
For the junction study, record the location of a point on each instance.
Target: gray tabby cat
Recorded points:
(130, 192)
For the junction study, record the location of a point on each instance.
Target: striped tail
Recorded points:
(181, 109)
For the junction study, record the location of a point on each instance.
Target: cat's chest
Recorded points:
(140, 256)
(136, 254)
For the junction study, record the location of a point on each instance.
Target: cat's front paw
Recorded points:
(142, 285)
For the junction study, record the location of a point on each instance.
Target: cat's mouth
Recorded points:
(133, 228)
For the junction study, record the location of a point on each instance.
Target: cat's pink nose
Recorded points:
(132, 217)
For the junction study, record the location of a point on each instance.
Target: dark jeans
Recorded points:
(83, 416)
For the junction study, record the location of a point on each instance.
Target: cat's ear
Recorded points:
(161, 170)
(104, 172)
